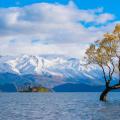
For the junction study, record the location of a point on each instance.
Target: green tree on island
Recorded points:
(106, 54)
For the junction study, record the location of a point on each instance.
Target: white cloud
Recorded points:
(50, 28)
(103, 18)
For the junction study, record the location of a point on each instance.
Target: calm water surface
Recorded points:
(58, 106)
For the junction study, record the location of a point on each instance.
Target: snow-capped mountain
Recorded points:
(50, 71)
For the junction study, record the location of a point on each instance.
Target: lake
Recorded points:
(58, 106)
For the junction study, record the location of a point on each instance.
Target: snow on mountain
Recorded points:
(57, 69)
(27, 64)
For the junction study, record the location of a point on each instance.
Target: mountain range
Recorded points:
(49, 71)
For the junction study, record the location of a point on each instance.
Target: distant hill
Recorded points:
(8, 88)
(69, 87)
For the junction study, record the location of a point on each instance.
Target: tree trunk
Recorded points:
(103, 96)
(119, 69)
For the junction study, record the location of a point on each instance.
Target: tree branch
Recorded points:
(110, 77)
(104, 74)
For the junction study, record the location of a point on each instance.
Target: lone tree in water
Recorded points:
(106, 54)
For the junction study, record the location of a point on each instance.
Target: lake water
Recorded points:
(58, 106)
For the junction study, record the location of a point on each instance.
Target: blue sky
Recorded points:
(108, 5)
(54, 26)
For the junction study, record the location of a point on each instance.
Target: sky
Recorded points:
(64, 27)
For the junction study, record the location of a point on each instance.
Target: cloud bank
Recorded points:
(46, 28)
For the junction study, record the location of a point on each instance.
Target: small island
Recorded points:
(34, 89)
(24, 88)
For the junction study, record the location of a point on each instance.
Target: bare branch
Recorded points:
(104, 73)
